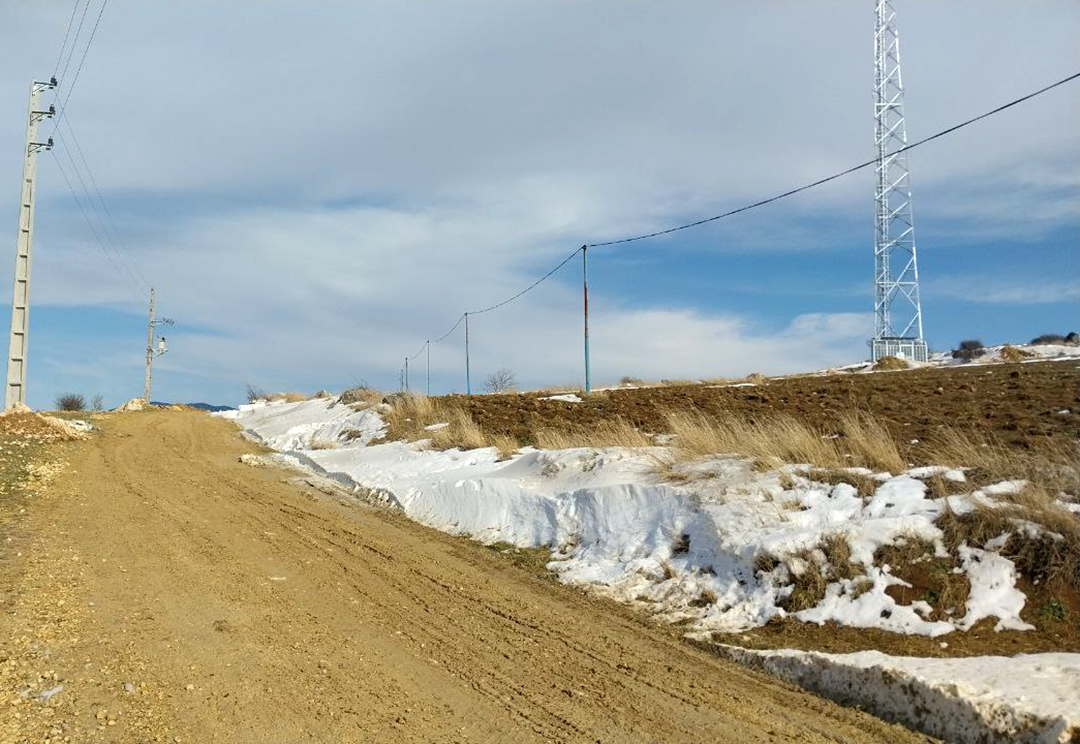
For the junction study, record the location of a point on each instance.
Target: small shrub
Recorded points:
(1054, 611)
(1049, 338)
(70, 402)
(254, 393)
(969, 349)
(628, 381)
(502, 380)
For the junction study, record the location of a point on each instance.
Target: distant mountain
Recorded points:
(200, 406)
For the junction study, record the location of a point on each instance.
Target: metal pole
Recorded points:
(18, 341)
(149, 348)
(428, 346)
(585, 287)
(406, 374)
(468, 378)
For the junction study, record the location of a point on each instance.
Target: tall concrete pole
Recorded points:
(24, 250)
(149, 348)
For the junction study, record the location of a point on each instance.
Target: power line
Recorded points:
(453, 328)
(82, 60)
(842, 173)
(75, 41)
(67, 33)
(420, 351)
(89, 223)
(122, 266)
(528, 288)
(101, 200)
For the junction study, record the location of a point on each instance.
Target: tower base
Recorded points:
(912, 349)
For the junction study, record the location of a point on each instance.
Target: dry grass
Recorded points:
(409, 416)
(288, 397)
(890, 363)
(933, 579)
(615, 433)
(1054, 466)
(871, 442)
(808, 584)
(460, 431)
(323, 444)
(1048, 553)
(361, 397)
(507, 445)
(771, 441)
(1013, 354)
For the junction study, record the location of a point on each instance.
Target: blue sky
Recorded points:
(317, 188)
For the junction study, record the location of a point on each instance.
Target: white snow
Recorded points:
(1024, 698)
(565, 397)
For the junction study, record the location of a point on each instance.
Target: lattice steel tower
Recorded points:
(898, 329)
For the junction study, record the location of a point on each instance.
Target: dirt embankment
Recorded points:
(1021, 404)
(159, 590)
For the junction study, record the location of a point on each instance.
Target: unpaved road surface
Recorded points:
(167, 592)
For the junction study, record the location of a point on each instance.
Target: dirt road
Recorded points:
(163, 591)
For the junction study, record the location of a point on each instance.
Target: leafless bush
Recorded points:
(97, 402)
(70, 402)
(254, 393)
(502, 380)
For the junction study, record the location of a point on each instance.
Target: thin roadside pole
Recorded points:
(585, 288)
(406, 374)
(468, 378)
(427, 345)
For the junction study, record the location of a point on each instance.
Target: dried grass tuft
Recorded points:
(615, 433)
(771, 441)
(871, 442)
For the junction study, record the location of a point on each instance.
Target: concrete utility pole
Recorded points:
(151, 352)
(24, 248)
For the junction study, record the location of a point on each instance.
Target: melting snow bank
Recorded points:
(719, 554)
(1025, 698)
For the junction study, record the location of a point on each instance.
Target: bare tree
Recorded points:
(97, 402)
(501, 380)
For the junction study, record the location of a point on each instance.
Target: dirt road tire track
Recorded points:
(240, 608)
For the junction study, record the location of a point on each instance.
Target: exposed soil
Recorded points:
(160, 590)
(1020, 404)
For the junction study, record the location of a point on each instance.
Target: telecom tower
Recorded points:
(898, 329)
